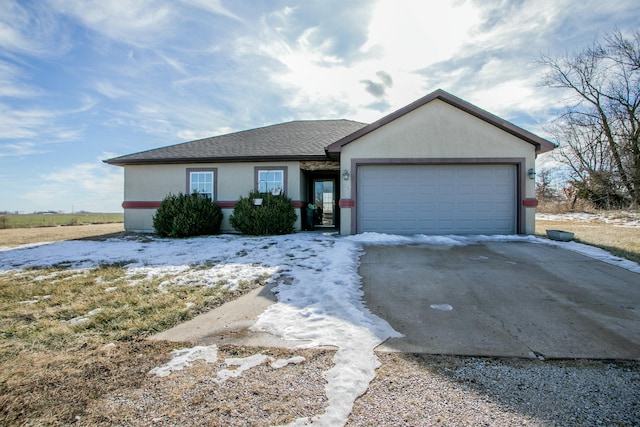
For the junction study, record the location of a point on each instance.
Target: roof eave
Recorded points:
(197, 160)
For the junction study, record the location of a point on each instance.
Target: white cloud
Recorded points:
(87, 186)
(23, 148)
(212, 6)
(39, 125)
(12, 84)
(415, 34)
(170, 118)
(172, 62)
(506, 98)
(481, 51)
(139, 23)
(517, 25)
(313, 80)
(110, 90)
(142, 23)
(23, 123)
(506, 87)
(495, 67)
(401, 38)
(190, 134)
(31, 30)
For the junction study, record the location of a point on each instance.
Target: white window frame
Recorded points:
(191, 172)
(263, 185)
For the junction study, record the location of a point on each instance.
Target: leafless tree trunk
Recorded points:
(600, 133)
(545, 191)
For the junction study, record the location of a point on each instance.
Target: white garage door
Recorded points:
(442, 199)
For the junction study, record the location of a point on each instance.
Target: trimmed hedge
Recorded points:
(186, 215)
(274, 216)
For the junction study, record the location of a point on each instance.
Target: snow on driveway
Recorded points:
(319, 289)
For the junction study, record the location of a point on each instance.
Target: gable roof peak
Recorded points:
(541, 144)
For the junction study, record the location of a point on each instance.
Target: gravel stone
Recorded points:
(409, 390)
(422, 390)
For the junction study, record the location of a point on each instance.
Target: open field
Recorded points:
(54, 220)
(21, 236)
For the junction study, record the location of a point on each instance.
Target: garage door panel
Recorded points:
(437, 199)
(466, 190)
(445, 206)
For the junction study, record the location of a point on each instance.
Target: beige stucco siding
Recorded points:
(437, 130)
(152, 183)
(139, 220)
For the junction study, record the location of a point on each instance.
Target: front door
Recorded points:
(324, 198)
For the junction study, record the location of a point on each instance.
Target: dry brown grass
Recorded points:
(21, 236)
(564, 206)
(53, 387)
(620, 241)
(261, 396)
(51, 368)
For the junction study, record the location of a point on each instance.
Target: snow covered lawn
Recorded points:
(319, 289)
(616, 218)
(616, 231)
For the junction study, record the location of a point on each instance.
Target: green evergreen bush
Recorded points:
(186, 215)
(274, 216)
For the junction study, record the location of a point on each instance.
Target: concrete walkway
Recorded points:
(503, 299)
(229, 323)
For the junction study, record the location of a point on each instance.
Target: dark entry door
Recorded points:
(324, 198)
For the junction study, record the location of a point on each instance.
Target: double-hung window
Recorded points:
(271, 180)
(202, 181)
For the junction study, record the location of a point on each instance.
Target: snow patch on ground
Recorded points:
(281, 363)
(36, 299)
(441, 307)
(617, 218)
(241, 364)
(595, 253)
(184, 358)
(324, 305)
(83, 319)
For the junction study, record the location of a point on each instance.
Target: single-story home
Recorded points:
(439, 165)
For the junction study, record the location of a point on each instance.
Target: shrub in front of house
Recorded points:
(261, 214)
(186, 215)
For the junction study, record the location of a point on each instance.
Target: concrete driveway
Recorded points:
(503, 299)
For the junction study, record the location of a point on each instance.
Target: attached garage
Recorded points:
(440, 165)
(437, 199)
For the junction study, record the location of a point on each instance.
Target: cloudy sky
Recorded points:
(83, 81)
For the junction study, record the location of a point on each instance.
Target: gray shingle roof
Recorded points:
(297, 140)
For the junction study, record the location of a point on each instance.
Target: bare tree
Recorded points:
(545, 191)
(599, 134)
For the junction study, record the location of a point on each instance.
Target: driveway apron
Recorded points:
(503, 299)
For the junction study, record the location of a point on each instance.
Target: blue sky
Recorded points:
(83, 81)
